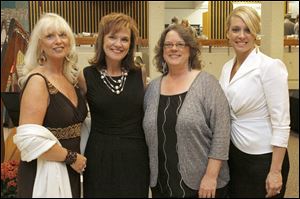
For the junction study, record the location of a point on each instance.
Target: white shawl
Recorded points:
(52, 179)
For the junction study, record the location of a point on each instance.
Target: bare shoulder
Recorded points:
(34, 101)
(35, 83)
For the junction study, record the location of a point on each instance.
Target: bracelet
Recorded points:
(71, 157)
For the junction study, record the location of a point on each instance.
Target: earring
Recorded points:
(165, 68)
(42, 59)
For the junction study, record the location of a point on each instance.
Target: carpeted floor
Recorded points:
(292, 189)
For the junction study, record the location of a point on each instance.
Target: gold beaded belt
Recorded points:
(67, 132)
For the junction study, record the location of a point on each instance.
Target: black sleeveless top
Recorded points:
(64, 120)
(115, 114)
(116, 151)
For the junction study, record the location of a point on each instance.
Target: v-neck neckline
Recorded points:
(67, 99)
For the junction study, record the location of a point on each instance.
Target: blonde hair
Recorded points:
(33, 53)
(249, 16)
(185, 22)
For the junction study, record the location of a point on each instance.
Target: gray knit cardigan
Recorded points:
(202, 128)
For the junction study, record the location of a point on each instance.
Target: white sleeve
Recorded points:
(275, 84)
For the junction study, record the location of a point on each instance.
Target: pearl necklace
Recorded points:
(115, 86)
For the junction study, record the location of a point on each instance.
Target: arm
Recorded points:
(274, 178)
(82, 82)
(218, 115)
(33, 108)
(208, 184)
(144, 75)
(275, 76)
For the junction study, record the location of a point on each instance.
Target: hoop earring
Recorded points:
(165, 68)
(42, 59)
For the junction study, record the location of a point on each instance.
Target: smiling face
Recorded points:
(55, 44)
(240, 37)
(175, 52)
(116, 45)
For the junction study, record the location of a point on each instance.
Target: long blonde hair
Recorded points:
(33, 53)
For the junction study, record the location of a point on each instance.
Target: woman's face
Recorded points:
(240, 37)
(116, 45)
(176, 53)
(56, 45)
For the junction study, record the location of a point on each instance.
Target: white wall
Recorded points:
(193, 15)
(293, 8)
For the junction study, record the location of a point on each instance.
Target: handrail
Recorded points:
(224, 43)
(87, 40)
(203, 42)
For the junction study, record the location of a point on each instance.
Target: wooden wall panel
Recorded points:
(218, 13)
(84, 16)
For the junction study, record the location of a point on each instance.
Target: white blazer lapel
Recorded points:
(251, 63)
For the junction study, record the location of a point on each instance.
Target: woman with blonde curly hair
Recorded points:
(51, 113)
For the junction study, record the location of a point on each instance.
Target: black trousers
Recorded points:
(248, 174)
(189, 193)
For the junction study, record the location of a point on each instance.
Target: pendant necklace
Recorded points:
(114, 85)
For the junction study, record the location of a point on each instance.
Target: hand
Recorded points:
(273, 183)
(207, 187)
(80, 163)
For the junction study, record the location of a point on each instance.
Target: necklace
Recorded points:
(114, 85)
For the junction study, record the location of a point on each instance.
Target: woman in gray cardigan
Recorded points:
(186, 122)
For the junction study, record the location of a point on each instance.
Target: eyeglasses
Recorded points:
(180, 45)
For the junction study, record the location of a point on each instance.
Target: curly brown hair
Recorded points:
(190, 41)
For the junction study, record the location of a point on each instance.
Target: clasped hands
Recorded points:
(80, 164)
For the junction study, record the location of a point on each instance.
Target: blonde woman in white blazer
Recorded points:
(257, 91)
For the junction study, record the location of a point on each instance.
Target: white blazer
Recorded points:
(259, 102)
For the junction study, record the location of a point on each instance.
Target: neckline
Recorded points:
(187, 91)
(174, 95)
(67, 99)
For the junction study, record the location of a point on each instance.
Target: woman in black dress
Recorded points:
(51, 104)
(114, 87)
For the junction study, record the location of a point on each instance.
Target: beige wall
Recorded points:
(213, 62)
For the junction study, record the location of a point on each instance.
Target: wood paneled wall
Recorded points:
(84, 16)
(218, 11)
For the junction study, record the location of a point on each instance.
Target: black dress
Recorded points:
(64, 120)
(116, 151)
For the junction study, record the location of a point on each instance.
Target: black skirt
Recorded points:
(248, 174)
